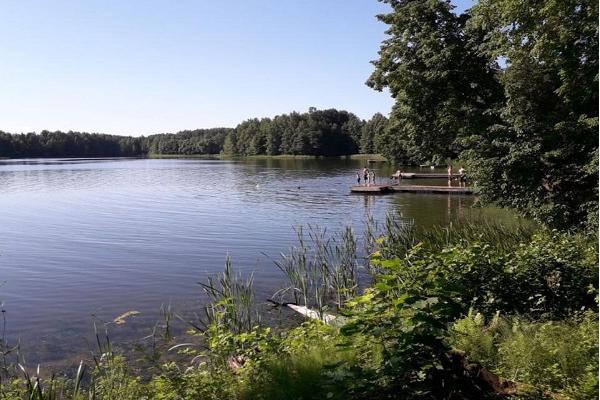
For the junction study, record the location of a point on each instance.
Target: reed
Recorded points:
(322, 270)
(7, 351)
(231, 301)
(166, 313)
(400, 236)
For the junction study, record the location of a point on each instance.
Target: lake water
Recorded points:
(90, 239)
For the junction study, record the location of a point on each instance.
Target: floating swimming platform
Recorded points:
(382, 189)
(432, 166)
(416, 175)
(371, 189)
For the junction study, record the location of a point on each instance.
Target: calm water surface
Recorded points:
(85, 239)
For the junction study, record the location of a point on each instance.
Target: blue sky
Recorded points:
(143, 67)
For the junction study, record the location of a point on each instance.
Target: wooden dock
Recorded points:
(417, 175)
(381, 189)
(372, 189)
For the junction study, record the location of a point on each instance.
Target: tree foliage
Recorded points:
(542, 157)
(81, 144)
(442, 86)
(510, 86)
(198, 141)
(372, 134)
(68, 144)
(317, 132)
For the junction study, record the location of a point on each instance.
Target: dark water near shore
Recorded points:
(85, 239)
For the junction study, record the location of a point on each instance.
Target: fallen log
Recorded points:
(305, 311)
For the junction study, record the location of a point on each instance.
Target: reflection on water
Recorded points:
(100, 237)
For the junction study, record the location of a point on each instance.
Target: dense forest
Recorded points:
(198, 141)
(81, 144)
(316, 132)
(68, 144)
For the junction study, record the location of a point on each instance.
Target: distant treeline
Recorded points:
(317, 132)
(198, 141)
(67, 144)
(81, 144)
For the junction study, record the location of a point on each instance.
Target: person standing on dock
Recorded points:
(358, 178)
(462, 178)
(372, 177)
(366, 175)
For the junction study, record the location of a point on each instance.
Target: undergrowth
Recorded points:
(525, 309)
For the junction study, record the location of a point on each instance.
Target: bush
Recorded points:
(194, 383)
(559, 356)
(553, 276)
(416, 297)
(550, 277)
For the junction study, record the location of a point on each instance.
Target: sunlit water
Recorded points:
(85, 239)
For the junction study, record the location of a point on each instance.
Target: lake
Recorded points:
(88, 239)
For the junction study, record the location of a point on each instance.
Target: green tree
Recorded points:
(229, 147)
(441, 86)
(370, 133)
(542, 158)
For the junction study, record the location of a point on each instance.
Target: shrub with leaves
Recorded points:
(551, 277)
(559, 356)
(404, 318)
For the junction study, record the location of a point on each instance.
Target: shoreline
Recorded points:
(373, 157)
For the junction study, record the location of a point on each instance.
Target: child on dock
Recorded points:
(358, 178)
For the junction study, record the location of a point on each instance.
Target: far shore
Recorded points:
(374, 157)
(365, 157)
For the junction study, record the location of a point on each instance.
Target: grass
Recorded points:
(282, 157)
(183, 156)
(402, 235)
(301, 376)
(375, 157)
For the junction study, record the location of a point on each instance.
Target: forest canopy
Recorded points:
(316, 132)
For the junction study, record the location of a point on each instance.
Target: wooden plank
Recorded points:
(432, 189)
(372, 189)
(307, 312)
(416, 175)
(380, 189)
